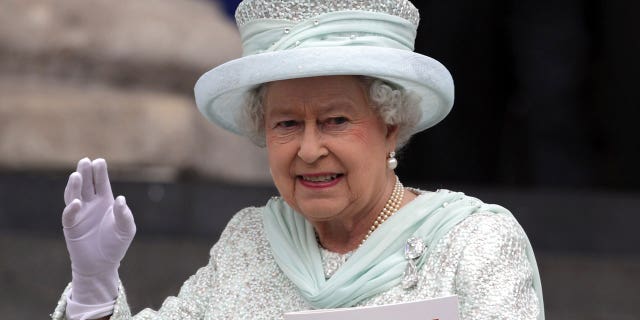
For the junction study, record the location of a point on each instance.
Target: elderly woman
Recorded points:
(333, 90)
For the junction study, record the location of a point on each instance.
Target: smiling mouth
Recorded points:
(320, 178)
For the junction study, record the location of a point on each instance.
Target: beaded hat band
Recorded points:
(288, 39)
(301, 10)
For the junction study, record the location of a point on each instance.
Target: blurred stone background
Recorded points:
(544, 124)
(93, 78)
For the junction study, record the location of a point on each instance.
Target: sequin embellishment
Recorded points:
(300, 10)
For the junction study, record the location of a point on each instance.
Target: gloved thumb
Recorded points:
(123, 217)
(70, 213)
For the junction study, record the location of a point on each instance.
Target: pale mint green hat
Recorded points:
(287, 39)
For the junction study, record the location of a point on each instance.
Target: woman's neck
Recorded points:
(346, 236)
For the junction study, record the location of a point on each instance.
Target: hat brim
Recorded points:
(221, 92)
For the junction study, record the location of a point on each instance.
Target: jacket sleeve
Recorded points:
(494, 278)
(189, 304)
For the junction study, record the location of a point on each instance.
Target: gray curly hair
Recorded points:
(396, 106)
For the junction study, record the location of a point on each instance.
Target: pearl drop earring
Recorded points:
(392, 162)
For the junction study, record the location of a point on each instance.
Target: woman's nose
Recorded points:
(312, 146)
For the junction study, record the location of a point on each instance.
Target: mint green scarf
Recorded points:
(379, 263)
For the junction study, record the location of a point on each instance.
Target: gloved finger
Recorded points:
(123, 217)
(72, 190)
(70, 213)
(101, 178)
(84, 168)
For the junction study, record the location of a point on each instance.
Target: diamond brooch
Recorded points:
(413, 249)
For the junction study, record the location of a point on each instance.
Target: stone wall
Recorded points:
(102, 79)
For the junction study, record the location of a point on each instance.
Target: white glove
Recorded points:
(98, 231)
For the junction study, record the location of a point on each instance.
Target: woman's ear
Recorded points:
(392, 136)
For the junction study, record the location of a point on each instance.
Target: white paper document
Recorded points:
(445, 308)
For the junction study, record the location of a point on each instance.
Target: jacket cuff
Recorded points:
(66, 309)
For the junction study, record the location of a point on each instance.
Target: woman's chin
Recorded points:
(321, 210)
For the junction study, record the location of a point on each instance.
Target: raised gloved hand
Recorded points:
(98, 231)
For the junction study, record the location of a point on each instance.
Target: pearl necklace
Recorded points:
(392, 205)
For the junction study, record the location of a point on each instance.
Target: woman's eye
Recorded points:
(337, 120)
(287, 124)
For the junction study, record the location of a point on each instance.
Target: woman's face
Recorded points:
(327, 147)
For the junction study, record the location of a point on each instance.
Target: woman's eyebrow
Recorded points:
(335, 105)
(277, 108)
(281, 112)
(341, 104)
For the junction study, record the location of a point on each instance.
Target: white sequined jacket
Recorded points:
(482, 260)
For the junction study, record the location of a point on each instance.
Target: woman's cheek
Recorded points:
(355, 134)
(278, 138)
